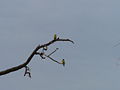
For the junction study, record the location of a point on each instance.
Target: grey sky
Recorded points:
(90, 63)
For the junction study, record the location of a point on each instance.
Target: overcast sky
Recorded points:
(91, 63)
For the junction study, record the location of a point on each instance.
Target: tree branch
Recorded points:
(24, 65)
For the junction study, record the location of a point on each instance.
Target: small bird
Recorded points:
(55, 36)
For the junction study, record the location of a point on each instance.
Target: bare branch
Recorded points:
(24, 65)
(48, 57)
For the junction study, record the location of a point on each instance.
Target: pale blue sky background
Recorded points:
(90, 62)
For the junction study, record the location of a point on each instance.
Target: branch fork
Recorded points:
(42, 54)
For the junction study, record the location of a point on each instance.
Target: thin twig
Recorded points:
(52, 59)
(53, 52)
